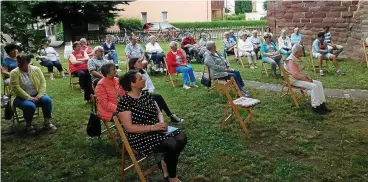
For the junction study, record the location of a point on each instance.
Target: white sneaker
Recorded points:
(186, 87)
(321, 73)
(193, 85)
(52, 78)
(252, 67)
(255, 67)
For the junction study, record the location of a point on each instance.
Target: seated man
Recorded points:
(284, 44)
(156, 54)
(188, 45)
(297, 38)
(110, 50)
(134, 50)
(256, 41)
(299, 79)
(230, 46)
(29, 87)
(220, 67)
(320, 51)
(232, 35)
(331, 45)
(94, 64)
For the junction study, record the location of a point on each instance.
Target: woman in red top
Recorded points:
(78, 67)
(86, 48)
(177, 62)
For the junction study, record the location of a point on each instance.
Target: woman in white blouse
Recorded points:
(50, 58)
(245, 48)
(284, 43)
(155, 53)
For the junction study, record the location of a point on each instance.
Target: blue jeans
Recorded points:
(51, 64)
(29, 108)
(285, 52)
(187, 71)
(114, 57)
(158, 58)
(237, 77)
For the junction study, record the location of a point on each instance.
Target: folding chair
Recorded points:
(240, 61)
(71, 82)
(237, 103)
(109, 128)
(20, 118)
(126, 148)
(215, 83)
(169, 77)
(365, 53)
(311, 62)
(264, 69)
(290, 88)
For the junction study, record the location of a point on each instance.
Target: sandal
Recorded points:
(160, 167)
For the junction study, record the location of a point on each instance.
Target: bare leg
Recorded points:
(320, 58)
(334, 60)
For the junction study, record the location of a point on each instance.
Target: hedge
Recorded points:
(212, 24)
(131, 24)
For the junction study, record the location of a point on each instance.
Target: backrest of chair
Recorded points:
(93, 102)
(207, 69)
(228, 87)
(286, 76)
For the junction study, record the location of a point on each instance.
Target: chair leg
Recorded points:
(239, 118)
(226, 116)
(122, 172)
(112, 136)
(241, 61)
(292, 95)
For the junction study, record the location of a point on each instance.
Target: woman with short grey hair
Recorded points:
(220, 67)
(155, 54)
(85, 47)
(298, 79)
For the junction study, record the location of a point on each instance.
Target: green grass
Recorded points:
(283, 144)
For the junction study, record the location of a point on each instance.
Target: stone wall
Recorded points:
(348, 21)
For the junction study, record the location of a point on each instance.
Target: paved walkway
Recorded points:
(339, 93)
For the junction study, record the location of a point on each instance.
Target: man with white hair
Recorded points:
(298, 79)
(230, 46)
(94, 64)
(255, 41)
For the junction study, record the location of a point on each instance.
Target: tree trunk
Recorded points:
(67, 31)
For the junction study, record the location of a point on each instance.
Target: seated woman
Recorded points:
(155, 53)
(230, 47)
(78, 67)
(188, 45)
(220, 67)
(177, 62)
(284, 43)
(245, 48)
(86, 48)
(9, 62)
(270, 54)
(110, 51)
(50, 58)
(107, 92)
(29, 87)
(144, 125)
(137, 64)
(299, 79)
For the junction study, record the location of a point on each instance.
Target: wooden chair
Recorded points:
(264, 69)
(240, 61)
(169, 77)
(365, 53)
(215, 83)
(109, 128)
(313, 66)
(290, 88)
(71, 82)
(236, 103)
(126, 148)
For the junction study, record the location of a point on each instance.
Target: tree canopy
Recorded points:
(243, 6)
(265, 4)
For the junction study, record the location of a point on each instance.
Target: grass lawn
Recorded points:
(283, 144)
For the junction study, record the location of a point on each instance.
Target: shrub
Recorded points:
(240, 16)
(212, 24)
(130, 24)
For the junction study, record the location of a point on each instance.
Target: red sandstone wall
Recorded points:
(348, 21)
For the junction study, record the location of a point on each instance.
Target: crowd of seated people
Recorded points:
(49, 58)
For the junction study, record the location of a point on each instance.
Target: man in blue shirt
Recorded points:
(331, 45)
(230, 46)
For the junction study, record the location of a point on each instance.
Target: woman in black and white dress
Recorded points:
(144, 125)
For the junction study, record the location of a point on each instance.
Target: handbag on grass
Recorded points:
(94, 122)
(205, 81)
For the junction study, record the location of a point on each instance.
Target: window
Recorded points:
(144, 17)
(164, 16)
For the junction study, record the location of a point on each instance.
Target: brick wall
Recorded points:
(348, 21)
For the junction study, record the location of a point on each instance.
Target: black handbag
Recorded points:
(205, 81)
(94, 122)
(8, 113)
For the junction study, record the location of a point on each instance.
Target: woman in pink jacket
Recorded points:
(107, 92)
